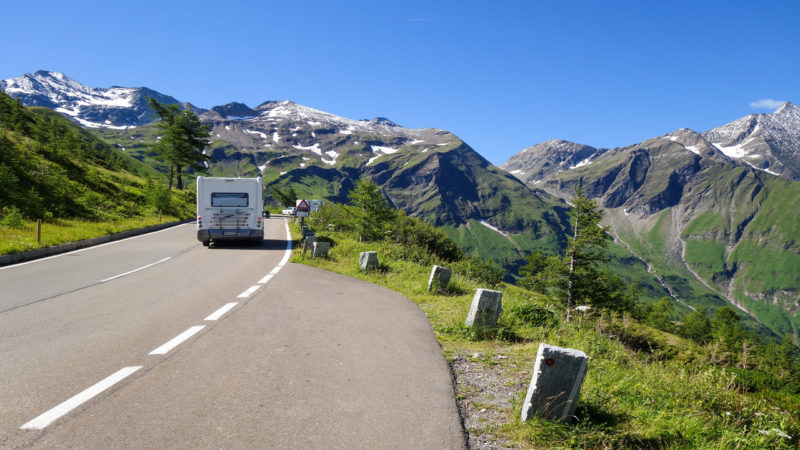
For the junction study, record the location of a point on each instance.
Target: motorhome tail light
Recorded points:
(199, 219)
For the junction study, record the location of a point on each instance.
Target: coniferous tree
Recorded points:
(586, 246)
(287, 198)
(659, 313)
(182, 140)
(696, 326)
(787, 357)
(376, 212)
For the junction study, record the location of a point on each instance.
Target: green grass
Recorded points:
(707, 257)
(766, 267)
(707, 221)
(629, 399)
(17, 240)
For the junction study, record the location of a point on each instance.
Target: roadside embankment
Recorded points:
(643, 388)
(19, 244)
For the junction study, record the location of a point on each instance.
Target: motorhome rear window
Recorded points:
(227, 199)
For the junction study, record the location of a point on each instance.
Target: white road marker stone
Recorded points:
(92, 247)
(308, 243)
(485, 309)
(250, 291)
(265, 279)
(132, 271)
(320, 249)
(177, 340)
(221, 311)
(439, 276)
(55, 413)
(556, 383)
(368, 260)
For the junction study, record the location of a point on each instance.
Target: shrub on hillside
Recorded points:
(12, 218)
(531, 314)
(480, 270)
(411, 232)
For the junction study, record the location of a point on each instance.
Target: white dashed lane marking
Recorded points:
(266, 278)
(55, 413)
(177, 340)
(132, 271)
(222, 311)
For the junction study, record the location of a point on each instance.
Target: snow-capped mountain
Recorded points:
(769, 142)
(114, 107)
(534, 163)
(289, 127)
(708, 212)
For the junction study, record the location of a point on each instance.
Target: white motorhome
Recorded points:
(229, 209)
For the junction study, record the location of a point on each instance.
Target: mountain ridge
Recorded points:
(711, 223)
(114, 107)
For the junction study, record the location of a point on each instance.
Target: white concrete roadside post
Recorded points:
(308, 242)
(486, 308)
(556, 383)
(368, 260)
(440, 278)
(320, 249)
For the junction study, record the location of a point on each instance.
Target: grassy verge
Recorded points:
(644, 388)
(16, 240)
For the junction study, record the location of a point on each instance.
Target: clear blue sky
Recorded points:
(500, 75)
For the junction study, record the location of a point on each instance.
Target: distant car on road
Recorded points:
(289, 211)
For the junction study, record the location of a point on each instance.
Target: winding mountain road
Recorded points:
(158, 342)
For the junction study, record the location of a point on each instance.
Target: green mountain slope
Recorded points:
(715, 230)
(52, 169)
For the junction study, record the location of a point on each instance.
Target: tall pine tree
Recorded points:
(183, 137)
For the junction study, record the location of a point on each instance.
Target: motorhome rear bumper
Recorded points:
(234, 235)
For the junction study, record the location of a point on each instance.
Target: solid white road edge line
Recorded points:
(55, 413)
(132, 271)
(177, 340)
(266, 278)
(288, 245)
(286, 257)
(92, 247)
(221, 311)
(248, 292)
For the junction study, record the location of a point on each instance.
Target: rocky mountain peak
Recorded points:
(235, 110)
(769, 142)
(788, 108)
(381, 121)
(552, 156)
(114, 107)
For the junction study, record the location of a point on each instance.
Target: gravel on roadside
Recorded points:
(484, 391)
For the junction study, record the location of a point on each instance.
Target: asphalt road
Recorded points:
(162, 358)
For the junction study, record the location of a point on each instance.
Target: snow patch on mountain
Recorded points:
(333, 155)
(491, 227)
(387, 150)
(314, 148)
(263, 136)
